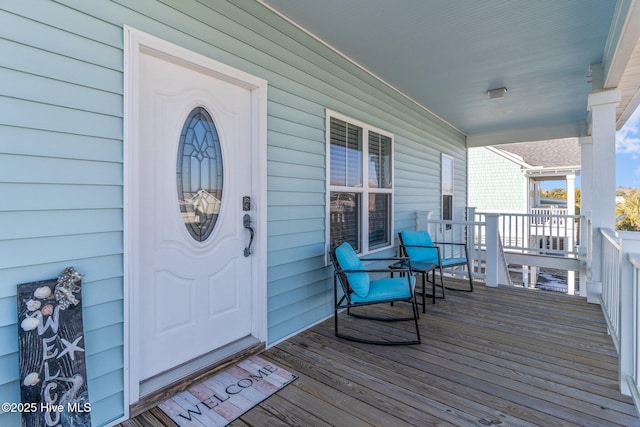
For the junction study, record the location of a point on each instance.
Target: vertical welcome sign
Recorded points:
(53, 386)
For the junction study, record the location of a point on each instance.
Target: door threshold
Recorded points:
(164, 385)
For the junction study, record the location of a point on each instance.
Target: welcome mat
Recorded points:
(227, 395)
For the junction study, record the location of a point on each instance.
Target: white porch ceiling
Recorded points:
(446, 55)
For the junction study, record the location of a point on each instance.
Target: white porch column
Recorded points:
(602, 106)
(571, 210)
(571, 194)
(471, 240)
(492, 254)
(422, 220)
(586, 196)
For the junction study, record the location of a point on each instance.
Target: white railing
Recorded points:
(482, 240)
(457, 232)
(613, 266)
(611, 270)
(545, 231)
(614, 263)
(620, 302)
(549, 211)
(634, 380)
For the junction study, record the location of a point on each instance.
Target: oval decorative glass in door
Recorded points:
(199, 174)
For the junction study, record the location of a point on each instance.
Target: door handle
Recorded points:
(246, 222)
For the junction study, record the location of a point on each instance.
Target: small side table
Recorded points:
(423, 268)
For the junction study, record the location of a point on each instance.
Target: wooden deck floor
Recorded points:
(504, 356)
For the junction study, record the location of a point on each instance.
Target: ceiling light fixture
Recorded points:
(497, 93)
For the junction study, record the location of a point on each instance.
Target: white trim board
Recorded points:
(135, 43)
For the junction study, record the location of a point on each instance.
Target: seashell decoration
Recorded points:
(68, 284)
(29, 324)
(42, 293)
(33, 305)
(47, 310)
(32, 379)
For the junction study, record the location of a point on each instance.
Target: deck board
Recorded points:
(497, 356)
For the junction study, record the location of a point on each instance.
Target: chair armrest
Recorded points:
(450, 243)
(398, 258)
(395, 266)
(437, 249)
(376, 270)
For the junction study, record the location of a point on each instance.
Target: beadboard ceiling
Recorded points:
(446, 55)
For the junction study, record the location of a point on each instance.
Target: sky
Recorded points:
(627, 156)
(628, 153)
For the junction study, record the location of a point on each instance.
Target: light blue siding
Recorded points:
(17, 84)
(65, 69)
(61, 145)
(34, 224)
(9, 341)
(496, 184)
(61, 180)
(48, 196)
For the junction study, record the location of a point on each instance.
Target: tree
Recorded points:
(629, 213)
(561, 194)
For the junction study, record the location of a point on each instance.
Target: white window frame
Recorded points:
(446, 191)
(364, 190)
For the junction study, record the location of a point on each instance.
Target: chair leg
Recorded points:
(424, 291)
(335, 305)
(433, 289)
(432, 281)
(441, 280)
(415, 316)
(470, 272)
(414, 308)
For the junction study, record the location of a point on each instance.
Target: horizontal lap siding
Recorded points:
(496, 184)
(61, 182)
(62, 141)
(299, 286)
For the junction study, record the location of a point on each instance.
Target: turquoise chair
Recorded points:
(423, 252)
(358, 290)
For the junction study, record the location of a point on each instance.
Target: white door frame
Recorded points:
(136, 42)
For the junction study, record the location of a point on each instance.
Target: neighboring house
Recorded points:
(506, 178)
(88, 180)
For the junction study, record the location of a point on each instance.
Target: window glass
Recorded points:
(345, 219)
(447, 189)
(447, 175)
(447, 208)
(199, 174)
(379, 161)
(346, 154)
(359, 214)
(379, 213)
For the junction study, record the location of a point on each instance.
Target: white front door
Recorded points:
(193, 166)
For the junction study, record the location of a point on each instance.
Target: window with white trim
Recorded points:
(360, 185)
(447, 188)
